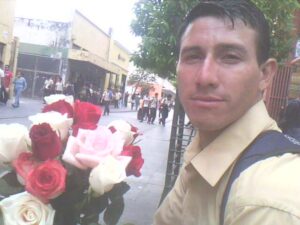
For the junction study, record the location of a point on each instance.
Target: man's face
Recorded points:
(219, 78)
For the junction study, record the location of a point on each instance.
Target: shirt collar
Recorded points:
(213, 161)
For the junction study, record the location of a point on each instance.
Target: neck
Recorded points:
(206, 137)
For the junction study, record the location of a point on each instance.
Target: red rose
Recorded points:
(85, 112)
(24, 164)
(45, 142)
(60, 106)
(87, 126)
(136, 162)
(47, 180)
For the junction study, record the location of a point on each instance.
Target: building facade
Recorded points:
(76, 50)
(7, 42)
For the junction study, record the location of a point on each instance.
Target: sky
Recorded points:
(116, 14)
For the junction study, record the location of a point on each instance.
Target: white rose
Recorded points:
(55, 98)
(14, 139)
(124, 129)
(58, 122)
(108, 173)
(24, 208)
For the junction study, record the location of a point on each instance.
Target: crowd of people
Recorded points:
(147, 108)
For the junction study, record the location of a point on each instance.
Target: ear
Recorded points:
(268, 71)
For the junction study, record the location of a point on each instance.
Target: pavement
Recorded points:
(142, 200)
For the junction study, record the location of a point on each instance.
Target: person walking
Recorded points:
(137, 101)
(145, 111)
(6, 83)
(59, 86)
(106, 98)
(2, 88)
(165, 107)
(153, 108)
(223, 68)
(126, 99)
(20, 85)
(133, 100)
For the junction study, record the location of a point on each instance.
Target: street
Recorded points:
(143, 197)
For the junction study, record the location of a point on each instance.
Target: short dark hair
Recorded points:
(244, 10)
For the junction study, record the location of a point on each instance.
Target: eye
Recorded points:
(231, 58)
(191, 58)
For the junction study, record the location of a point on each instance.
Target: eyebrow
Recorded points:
(191, 49)
(232, 47)
(220, 47)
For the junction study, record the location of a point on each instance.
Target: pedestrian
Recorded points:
(118, 97)
(59, 86)
(146, 104)
(133, 100)
(137, 101)
(20, 85)
(153, 108)
(165, 107)
(223, 69)
(6, 83)
(126, 99)
(48, 84)
(2, 88)
(69, 89)
(290, 122)
(106, 98)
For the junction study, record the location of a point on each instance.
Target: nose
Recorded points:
(207, 73)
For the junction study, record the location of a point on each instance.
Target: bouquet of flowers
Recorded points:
(66, 169)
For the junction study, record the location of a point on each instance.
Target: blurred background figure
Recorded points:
(165, 107)
(290, 121)
(20, 85)
(59, 86)
(6, 84)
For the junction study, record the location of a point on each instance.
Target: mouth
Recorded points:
(207, 102)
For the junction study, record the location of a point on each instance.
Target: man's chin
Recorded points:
(208, 126)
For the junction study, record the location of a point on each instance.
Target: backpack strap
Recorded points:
(268, 144)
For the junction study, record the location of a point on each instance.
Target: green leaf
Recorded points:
(1, 218)
(12, 180)
(6, 189)
(114, 211)
(5, 170)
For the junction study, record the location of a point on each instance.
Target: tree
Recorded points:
(142, 79)
(157, 23)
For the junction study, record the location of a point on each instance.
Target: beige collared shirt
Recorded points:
(267, 193)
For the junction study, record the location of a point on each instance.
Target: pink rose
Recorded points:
(47, 180)
(24, 164)
(91, 146)
(85, 126)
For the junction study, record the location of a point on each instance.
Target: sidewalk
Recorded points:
(30, 106)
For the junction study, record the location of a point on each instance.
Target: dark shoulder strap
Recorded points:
(268, 144)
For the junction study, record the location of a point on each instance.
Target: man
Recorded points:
(146, 103)
(2, 89)
(20, 85)
(223, 69)
(153, 108)
(165, 106)
(6, 83)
